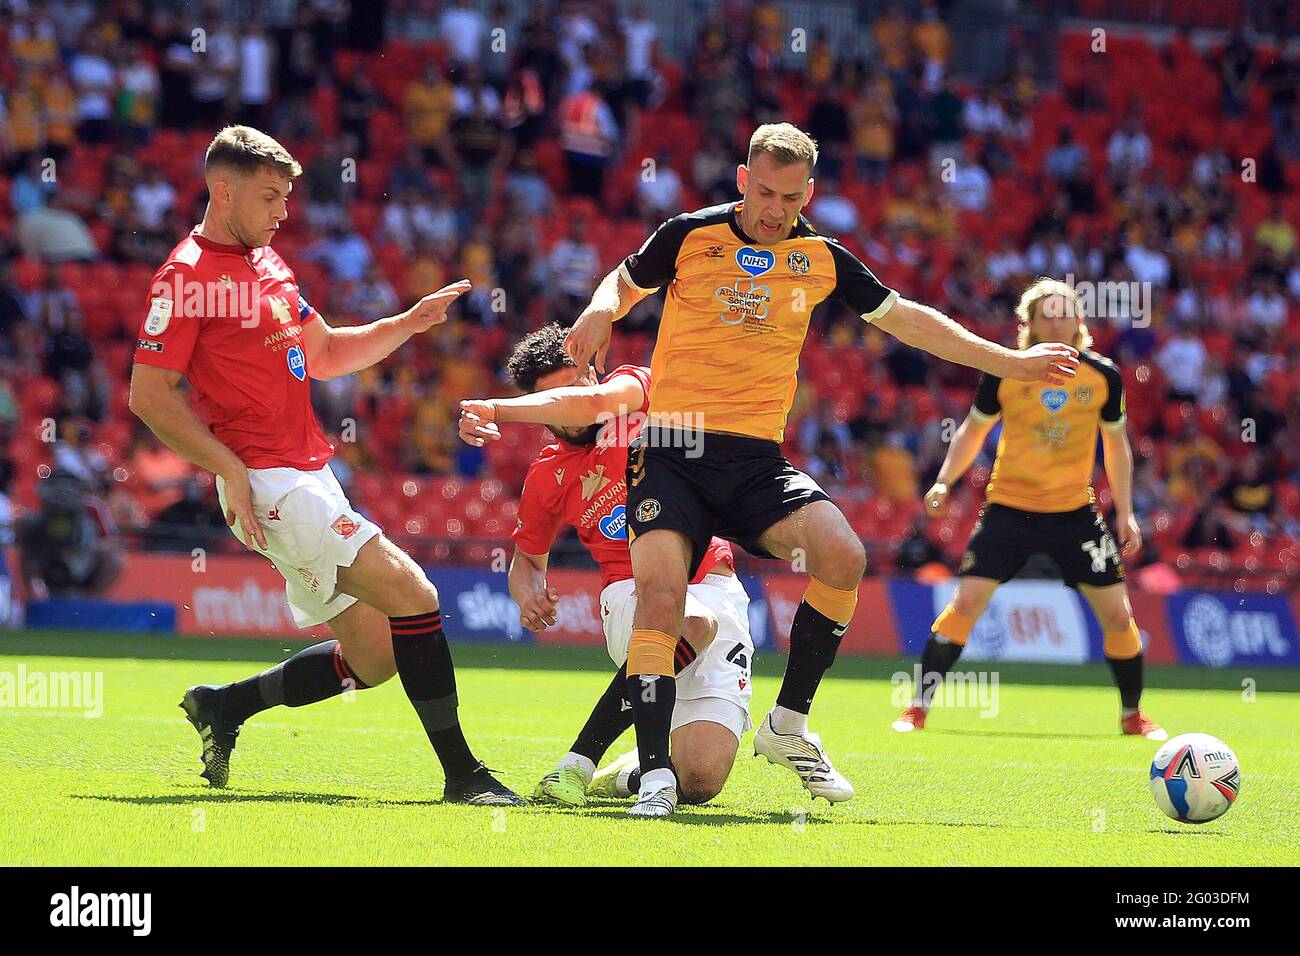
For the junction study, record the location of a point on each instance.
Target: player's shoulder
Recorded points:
(640, 372)
(554, 459)
(708, 216)
(1103, 365)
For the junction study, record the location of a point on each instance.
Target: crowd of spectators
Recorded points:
(532, 165)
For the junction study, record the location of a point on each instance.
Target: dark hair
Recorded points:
(246, 149)
(539, 354)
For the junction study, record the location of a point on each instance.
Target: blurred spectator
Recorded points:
(1182, 359)
(826, 465)
(659, 190)
(194, 520)
(95, 81)
(428, 108)
(139, 88)
(158, 474)
(1193, 463)
(358, 101)
(1238, 73)
(832, 213)
(1066, 158)
(1248, 496)
(70, 545)
(479, 150)
(345, 252)
(74, 455)
(214, 71)
(969, 185)
(255, 57)
(574, 263)
(409, 173)
(1129, 149)
(373, 297)
(31, 188)
(588, 135)
(152, 198)
(874, 117)
(463, 29)
(527, 187)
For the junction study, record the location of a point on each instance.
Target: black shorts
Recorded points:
(703, 484)
(1077, 541)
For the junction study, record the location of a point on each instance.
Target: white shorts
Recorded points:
(716, 686)
(311, 531)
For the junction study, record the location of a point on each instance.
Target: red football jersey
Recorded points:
(231, 320)
(587, 488)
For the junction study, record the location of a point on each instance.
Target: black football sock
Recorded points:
(1128, 678)
(653, 698)
(424, 665)
(814, 639)
(937, 659)
(317, 673)
(611, 716)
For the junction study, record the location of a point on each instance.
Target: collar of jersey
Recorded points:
(206, 243)
(802, 226)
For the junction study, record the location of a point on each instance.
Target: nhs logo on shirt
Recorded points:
(1054, 399)
(614, 524)
(755, 261)
(297, 363)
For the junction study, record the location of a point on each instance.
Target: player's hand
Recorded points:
(589, 337)
(239, 507)
(538, 611)
(432, 309)
(1130, 536)
(935, 498)
(478, 422)
(1052, 362)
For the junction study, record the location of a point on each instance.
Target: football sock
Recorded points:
(683, 656)
(1128, 678)
(785, 721)
(317, 673)
(814, 639)
(653, 691)
(653, 697)
(429, 679)
(628, 782)
(583, 763)
(937, 659)
(611, 716)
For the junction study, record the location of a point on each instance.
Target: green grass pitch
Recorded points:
(1048, 781)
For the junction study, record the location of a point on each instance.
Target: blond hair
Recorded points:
(246, 150)
(1041, 290)
(785, 143)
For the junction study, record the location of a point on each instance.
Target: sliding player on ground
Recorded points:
(1040, 499)
(581, 480)
(225, 312)
(742, 280)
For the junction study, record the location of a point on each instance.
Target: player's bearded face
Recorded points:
(584, 435)
(1055, 320)
(773, 197)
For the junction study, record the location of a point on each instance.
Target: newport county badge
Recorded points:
(967, 562)
(798, 263)
(648, 510)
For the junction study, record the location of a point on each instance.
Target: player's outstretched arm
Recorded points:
(527, 582)
(590, 335)
(156, 400)
(962, 452)
(332, 352)
(569, 407)
(1117, 457)
(929, 329)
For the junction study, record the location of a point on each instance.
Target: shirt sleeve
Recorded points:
(655, 263)
(641, 374)
(857, 286)
(168, 334)
(539, 518)
(305, 312)
(987, 404)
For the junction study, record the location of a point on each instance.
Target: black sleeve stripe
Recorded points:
(1113, 410)
(986, 396)
(856, 285)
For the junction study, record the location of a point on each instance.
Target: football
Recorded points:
(1195, 778)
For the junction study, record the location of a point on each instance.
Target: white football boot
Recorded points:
(804, 755)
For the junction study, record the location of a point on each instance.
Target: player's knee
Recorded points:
(660, 605)
(841, 561)
(699, 784)
(699, 630)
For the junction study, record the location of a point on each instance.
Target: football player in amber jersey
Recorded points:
(1040, 499)
(742, 280)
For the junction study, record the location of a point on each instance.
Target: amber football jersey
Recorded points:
(736, 316)
(1049, 434)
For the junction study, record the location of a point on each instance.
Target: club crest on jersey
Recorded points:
(648, 510)
(798, 263)
(344, 527)
(160, 316)
(297, 363)
(614, 524)
(755, 261)
(1054, 399)
(1083, 394)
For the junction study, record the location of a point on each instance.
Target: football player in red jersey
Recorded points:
(226, 313)
(581, 480)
